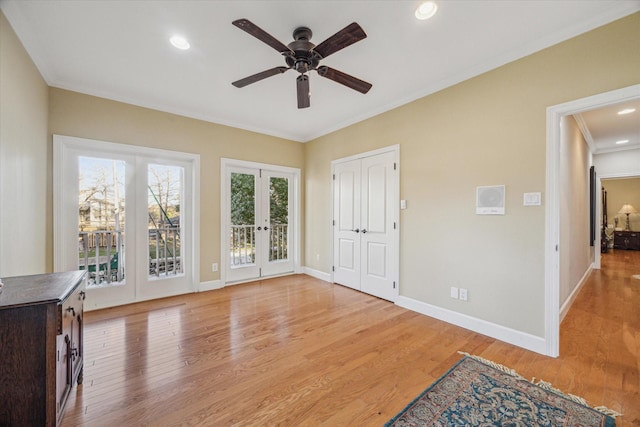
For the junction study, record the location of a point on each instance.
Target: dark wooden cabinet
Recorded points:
(626, 240)
(40, 346)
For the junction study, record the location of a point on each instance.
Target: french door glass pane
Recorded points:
(165, 184)
(243, 220)
(101, 220)
(279, 218)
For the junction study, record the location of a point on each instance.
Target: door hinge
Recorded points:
(334, 176)
(394, 165)
(334, 222)
(333, 268)
(394, 225)
(259, 173)
(394, 285)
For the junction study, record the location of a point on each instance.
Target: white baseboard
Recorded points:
(572, 297)
(317, 274)
(508, 335)
(210, 285)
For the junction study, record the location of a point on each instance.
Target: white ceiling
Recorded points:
(120, 50)
(604, 127)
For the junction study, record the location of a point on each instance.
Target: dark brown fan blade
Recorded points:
(260, 34)
(304, 99)
(344, 79)
(259, 76)
(347, 36)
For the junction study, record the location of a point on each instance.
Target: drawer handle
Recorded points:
(71, 310)
(83, 295)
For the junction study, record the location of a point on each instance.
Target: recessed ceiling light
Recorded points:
(626, 111)
(426, 10)
(180, 42)
(622, 141)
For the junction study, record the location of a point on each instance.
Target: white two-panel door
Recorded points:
(365, 244)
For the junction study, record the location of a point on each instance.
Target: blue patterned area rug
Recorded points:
(477, 392)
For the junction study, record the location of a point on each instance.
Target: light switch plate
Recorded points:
(532, 199)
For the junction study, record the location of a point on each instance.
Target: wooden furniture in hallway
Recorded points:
(626, 240)
(299, 351)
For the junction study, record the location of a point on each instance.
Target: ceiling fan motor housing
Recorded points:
(304, 59)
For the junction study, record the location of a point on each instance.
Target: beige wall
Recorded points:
(85, 116)
(488, 130)
(25, 214)
(621, 192)
(576, 252)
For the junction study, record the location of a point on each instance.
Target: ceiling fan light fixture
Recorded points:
(179, 42)
(426, 10)
(626, 111)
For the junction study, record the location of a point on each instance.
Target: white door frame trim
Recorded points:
(396, 211)
(226, 163)
(552, 213)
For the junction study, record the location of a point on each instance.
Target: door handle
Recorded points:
(364, 231)
(259, 228)
(266, 228)
(356, 230)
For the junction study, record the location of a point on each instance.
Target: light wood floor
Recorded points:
(297, 351)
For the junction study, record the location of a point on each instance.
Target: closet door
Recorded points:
(346, 214)
(378, 226)
(365, 227)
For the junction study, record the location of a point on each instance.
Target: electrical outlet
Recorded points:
(463, 294)
(454, 292)
(214, 267)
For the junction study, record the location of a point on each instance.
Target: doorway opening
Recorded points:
(555, 114)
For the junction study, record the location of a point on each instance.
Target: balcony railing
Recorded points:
(242, 241)
(101, 252)
(243, 245)
(164, 251)
(279, 242)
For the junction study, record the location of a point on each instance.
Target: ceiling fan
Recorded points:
(303, 56)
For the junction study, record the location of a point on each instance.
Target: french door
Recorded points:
(126, 215)
(365, 231)
(259, 223)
